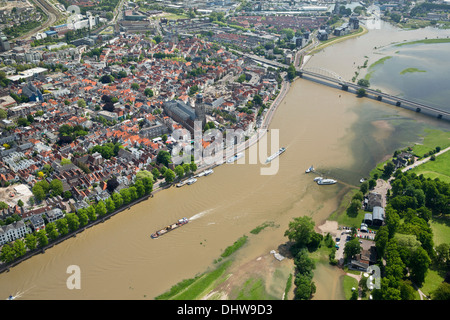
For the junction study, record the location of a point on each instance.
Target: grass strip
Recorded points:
(235, 246)
(424, 41)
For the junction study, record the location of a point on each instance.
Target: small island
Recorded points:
(411, 70)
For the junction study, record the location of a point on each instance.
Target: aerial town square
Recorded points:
(224, 150)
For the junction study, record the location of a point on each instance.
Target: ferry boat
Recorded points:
(310, 169)
(276, 154)
(326, 181)
(191, 181)
(179, 223)
(235, 157)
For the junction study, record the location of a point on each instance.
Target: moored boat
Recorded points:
(208, 172)
(169, 228)
(310, 169)
(191, 181)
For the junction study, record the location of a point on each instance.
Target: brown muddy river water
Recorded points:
(341, 135)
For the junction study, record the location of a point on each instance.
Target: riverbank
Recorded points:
(361, 31)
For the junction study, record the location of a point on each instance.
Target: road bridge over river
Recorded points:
(331, 78)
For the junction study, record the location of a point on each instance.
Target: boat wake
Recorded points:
(201, 214)
(17, 295)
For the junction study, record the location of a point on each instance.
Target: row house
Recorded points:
(13, 231)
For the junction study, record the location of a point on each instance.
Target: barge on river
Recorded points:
(179, 223)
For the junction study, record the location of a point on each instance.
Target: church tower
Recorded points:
(200, 110)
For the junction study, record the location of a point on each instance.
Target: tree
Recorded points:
(62, 226)
(304, 264)
(90, 211)
(135, 86)
(292, 73)
(125, 194)
(381, 239)
(3, 114)
(81, 103)
(364, 187)
(352, 248)
(30, 241)
(19, 248)
(388, 169)
(20, 203)
(110, 206)
(56, 187)
(141, 174)
(169, 176)
(51, 230)
(361, 92)
(100, 209)
(73, 222)
(82, 217)
(118, 201)
(305, 288)
(7, 254)
(442, 292)
(148, 185)
(419, 264)
(363, 83)
(38, 192)
(140, 189)
(112, 184)
(193, 167)
(300, 230)
(109, 15)
(354, 207)
(148, 92)
(42, 238)
(179, 171)
(163, 157)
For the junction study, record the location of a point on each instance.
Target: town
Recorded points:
(89, 104)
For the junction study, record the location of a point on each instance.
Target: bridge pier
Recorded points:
(398, 103)
(439, 116)
(344, 87)
(418, 110)
(379, 98)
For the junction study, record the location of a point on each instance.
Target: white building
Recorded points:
(13, 231)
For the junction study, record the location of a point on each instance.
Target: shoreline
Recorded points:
(285, 85)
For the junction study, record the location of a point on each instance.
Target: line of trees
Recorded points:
(304, 240)
(73, 221)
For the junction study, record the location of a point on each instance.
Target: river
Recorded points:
(342, 135)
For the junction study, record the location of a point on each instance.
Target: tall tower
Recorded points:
(200, 110)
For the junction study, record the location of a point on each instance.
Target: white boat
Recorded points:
(180, 184)
(235, 157)
(362, 180)
(318, 178)
(326, 181)
(208, 172)
(276, 154)
(310, 169)
(191, 181)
